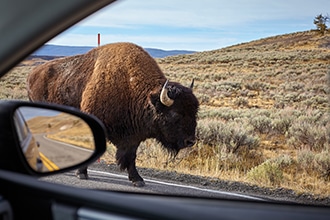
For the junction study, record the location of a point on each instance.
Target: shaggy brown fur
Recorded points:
(120, 84)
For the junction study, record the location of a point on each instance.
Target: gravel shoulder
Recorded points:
(276, 195)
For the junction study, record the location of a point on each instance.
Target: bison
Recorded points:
(123, 86)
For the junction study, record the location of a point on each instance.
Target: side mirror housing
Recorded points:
(41, 139)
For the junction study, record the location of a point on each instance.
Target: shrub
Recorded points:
(322, 164)
(256, 86)
(316, 162)
(261, 123)
(305, 159)
(310, 135)
(282, 120)
(232, 135)
(241, 101)
(203, 98)
(283, 161)
(268, 173)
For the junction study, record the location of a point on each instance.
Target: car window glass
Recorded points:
(261, 76)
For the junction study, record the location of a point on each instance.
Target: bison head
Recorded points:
(175, 117)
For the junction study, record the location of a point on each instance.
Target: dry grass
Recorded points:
(263, 117)
(277, 90)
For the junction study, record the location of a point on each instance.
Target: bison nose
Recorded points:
(189, 142)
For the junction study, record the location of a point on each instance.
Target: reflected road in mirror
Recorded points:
(57, 154)
(57, 140)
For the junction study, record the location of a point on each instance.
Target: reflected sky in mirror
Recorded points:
(29, 112)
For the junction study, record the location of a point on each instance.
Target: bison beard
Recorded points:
(124, 87)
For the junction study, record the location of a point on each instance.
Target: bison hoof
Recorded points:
(83, 176)
(139, 183)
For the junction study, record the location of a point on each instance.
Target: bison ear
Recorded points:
(174, 92)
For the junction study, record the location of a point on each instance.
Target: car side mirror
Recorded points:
(44, 138)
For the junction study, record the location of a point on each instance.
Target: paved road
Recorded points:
(101, 178)
(104, 180)
(53, 156)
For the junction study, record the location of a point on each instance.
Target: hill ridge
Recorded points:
(302, 39)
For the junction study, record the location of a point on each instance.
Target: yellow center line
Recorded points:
(48, 163)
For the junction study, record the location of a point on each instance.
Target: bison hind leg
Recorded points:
(139, 183)
(126, 160)
(81, 173)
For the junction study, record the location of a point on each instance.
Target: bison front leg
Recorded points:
(126, 160)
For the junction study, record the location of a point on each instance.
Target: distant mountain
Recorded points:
(56, 50)
(158, 53)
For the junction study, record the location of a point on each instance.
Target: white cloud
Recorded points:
(206, 13)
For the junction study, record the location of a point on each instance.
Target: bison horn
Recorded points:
(192, 84)
(164, 99)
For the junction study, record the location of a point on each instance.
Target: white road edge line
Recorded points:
(183, 186)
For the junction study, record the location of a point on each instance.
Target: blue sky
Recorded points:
(198, 25)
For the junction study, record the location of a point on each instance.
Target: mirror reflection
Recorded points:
(52, 140)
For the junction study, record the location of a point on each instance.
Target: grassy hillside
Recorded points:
(264, 114)
(263, 117)
(267, 73)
